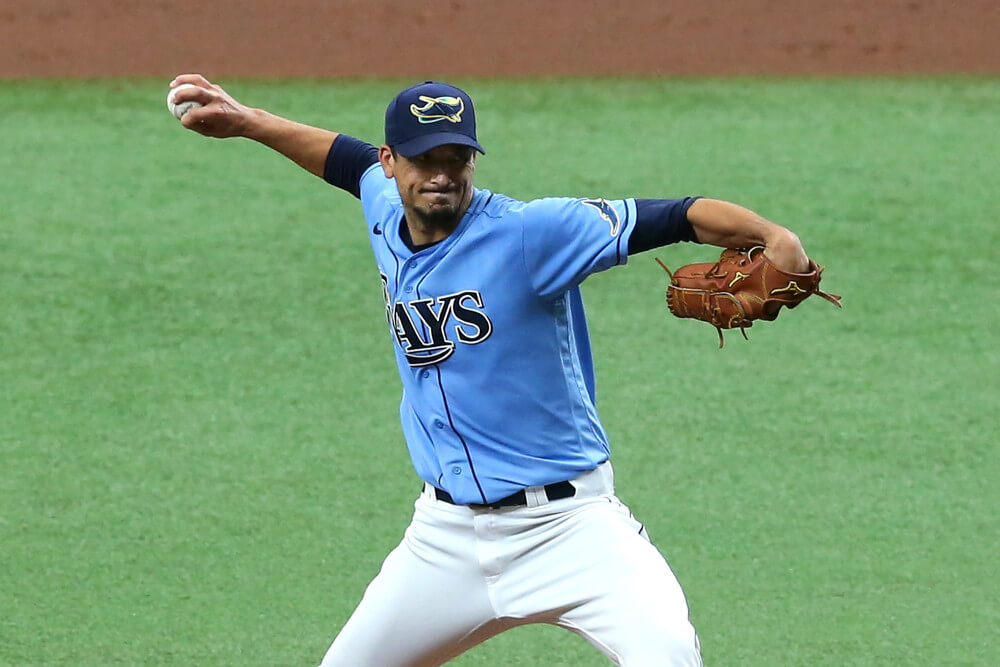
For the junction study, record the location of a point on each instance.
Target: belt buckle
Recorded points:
(490, 506)
(480, 506)
(516, 499)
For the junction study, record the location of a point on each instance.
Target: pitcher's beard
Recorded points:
(442, 217)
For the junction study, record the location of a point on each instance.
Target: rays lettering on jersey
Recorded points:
(430, 344)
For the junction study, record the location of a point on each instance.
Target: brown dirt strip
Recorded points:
(367, 38)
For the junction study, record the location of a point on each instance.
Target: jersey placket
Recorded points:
(450, 449)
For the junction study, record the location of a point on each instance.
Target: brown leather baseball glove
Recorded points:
(741, 287)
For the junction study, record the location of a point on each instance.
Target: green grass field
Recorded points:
(200, 459)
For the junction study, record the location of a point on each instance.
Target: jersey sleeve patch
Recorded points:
(607, 213)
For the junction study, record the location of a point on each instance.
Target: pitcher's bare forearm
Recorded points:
(730, 225)
(305, 145)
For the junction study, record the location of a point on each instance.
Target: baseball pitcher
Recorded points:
(517, 521)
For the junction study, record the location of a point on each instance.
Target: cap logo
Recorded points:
(437, 109)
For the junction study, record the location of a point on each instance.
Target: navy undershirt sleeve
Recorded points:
(659, 222)
(347, 161)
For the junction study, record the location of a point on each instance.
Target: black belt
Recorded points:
(555, 491)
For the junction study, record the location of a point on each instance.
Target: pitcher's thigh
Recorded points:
(413, 613)
(633, 607)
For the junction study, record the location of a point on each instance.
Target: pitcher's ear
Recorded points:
(387, 158)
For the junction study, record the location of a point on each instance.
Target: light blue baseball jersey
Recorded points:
(491, 340)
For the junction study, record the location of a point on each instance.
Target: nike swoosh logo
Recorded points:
(376, 229)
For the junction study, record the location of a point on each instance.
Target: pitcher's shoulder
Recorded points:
(497, 205)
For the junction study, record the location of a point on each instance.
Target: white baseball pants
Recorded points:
(463, 575)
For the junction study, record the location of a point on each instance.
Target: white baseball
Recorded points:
(179, 110)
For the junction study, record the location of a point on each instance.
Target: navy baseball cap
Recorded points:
(428, 115)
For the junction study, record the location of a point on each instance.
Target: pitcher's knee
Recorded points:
(674, 645)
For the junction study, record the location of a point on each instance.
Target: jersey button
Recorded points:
(408, 289)
(456, 471)
(439, 423)
(425, 374)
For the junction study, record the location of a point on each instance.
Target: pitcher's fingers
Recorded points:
(196, 79)
(196, 93)
(197, 117)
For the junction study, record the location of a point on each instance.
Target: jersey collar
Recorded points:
(478, 203)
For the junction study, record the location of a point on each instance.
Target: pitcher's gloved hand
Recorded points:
(741, 287)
